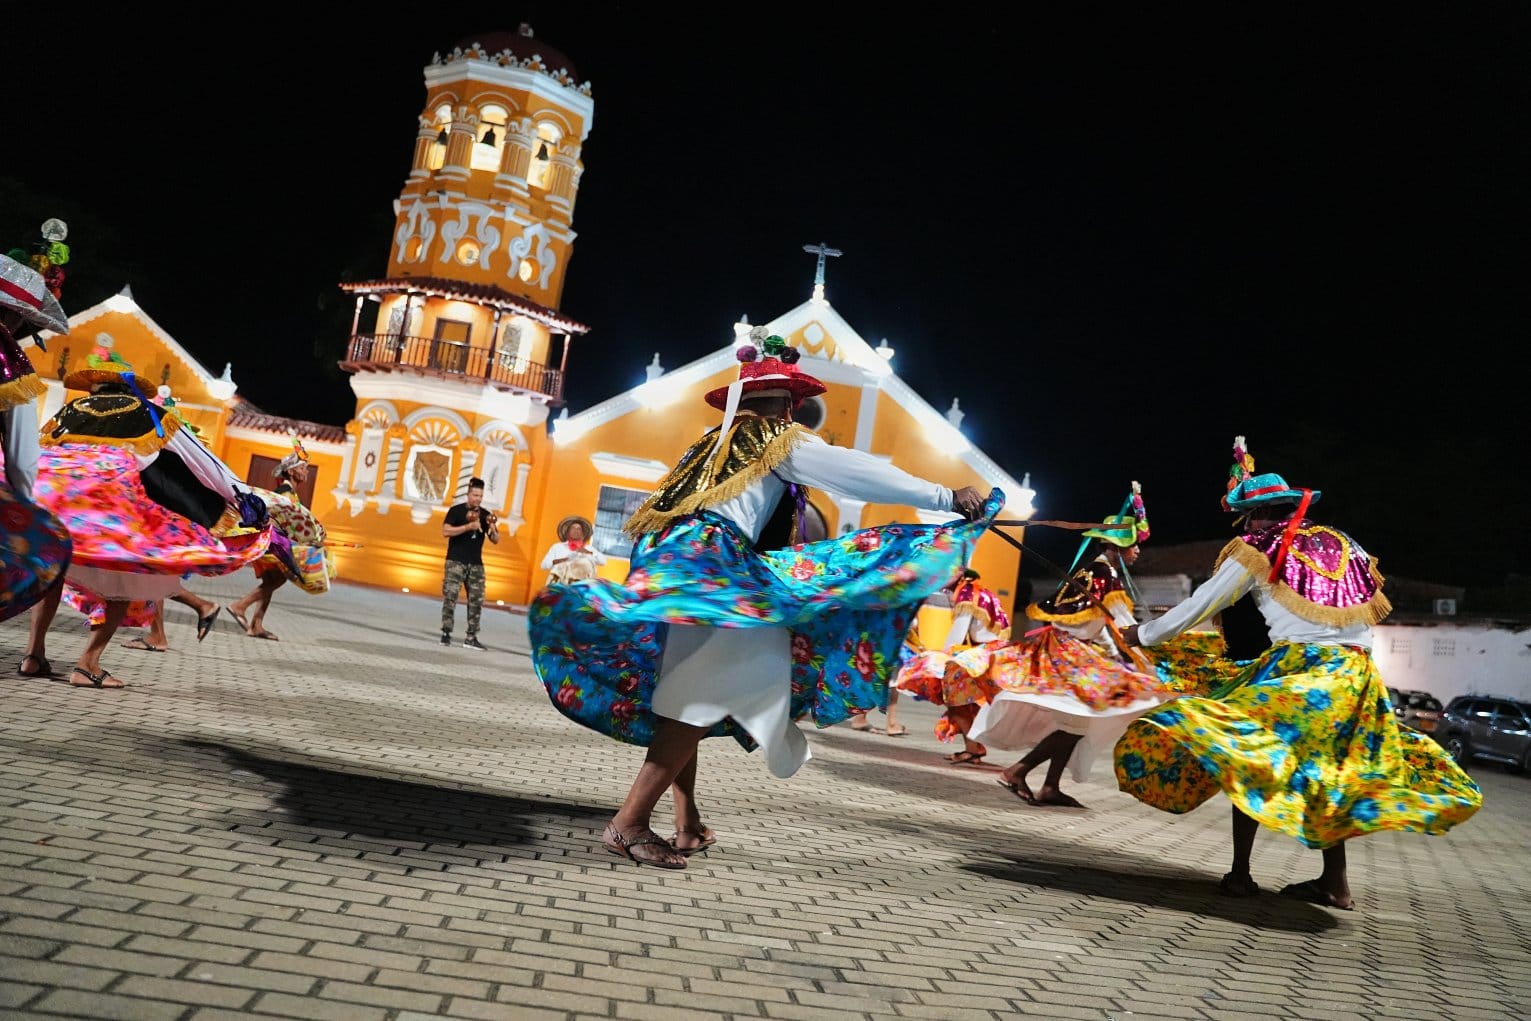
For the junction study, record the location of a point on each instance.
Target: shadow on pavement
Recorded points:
(420, 822)
(1265, 910)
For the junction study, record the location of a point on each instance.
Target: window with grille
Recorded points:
(612, 509)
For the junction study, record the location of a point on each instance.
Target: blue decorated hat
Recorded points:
(1247, 490)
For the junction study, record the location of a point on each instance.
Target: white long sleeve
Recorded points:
(1223, 589)
(18, 431)
(839, 470)
(561, 551)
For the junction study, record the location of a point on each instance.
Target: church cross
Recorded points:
(821, 250)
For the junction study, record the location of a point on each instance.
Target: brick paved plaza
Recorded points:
(357, 823)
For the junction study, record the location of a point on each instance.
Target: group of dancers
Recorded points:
(726, 627)
(114, 501)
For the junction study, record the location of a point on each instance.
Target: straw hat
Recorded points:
(564, 525)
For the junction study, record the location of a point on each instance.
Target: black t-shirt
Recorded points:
(467, 548)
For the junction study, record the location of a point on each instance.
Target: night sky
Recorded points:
(1119, 236)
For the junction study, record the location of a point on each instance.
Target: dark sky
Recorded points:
(1120, 236)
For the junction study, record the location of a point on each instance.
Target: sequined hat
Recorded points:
(768, 364)
(23, 290)
(1247, 490)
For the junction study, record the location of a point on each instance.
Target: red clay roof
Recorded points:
(458, 290)
(247, 416)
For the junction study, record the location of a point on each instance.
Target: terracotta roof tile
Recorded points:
(459, 290)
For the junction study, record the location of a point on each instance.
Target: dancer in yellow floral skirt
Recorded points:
(1303, 739)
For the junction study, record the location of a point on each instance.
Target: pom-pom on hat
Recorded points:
(768, 365)
(1247, 490)
(102, 365)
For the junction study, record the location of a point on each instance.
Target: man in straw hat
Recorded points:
(710, 635)
(1302, 739)
(573, 557)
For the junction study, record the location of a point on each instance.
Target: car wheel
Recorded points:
(1456, 747)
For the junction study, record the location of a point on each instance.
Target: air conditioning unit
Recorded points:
(1445, 607)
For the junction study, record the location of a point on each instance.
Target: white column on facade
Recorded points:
(866, 418)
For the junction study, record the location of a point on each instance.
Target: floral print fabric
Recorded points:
(847, 602)
(34, 550)
(1303, 740)
(96, 493)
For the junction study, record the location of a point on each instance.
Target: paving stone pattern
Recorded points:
(357, 823)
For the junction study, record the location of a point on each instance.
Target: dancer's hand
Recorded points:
(968, 502)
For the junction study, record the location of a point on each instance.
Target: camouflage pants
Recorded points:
(457, 577)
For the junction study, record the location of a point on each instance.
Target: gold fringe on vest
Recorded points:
(21, 390)
(1373, 611)
(755, 447)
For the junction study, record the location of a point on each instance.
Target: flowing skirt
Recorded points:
(842, 607)
(126, 546)
(304, 558)
(1305, 742)
(1051, 680)
(34, 551)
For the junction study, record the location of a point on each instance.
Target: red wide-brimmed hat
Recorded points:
(769, 368)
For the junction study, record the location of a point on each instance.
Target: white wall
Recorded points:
(1452, 660)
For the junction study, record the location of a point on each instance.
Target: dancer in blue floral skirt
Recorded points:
(715, 632)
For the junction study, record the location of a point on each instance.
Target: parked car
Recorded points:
(1419, 710)
(1475, 726)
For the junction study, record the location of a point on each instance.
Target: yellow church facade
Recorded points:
(459, 353)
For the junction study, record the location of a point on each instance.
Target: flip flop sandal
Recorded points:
(96, 680)
(143, 646)
(46, 671)
(244, 623)
(267, 635)
(898, 731)
(1237, 886)
(1019, 790)
(613, 840)
(1310, 891)
(964, 758)
(708, 838)
(205, 624)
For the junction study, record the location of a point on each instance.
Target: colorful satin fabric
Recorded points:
(96, 493)
(34, 550)
(848, 603)
(310, 563)
(1304, 741)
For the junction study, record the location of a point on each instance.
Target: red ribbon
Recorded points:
(1289, 534)
(21, 294)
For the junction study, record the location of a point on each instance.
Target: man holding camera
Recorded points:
(465, 528)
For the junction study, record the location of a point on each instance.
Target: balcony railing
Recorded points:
(454, 358)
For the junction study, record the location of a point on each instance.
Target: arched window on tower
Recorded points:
(491, 137)
(540, 173)
(443, 121)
